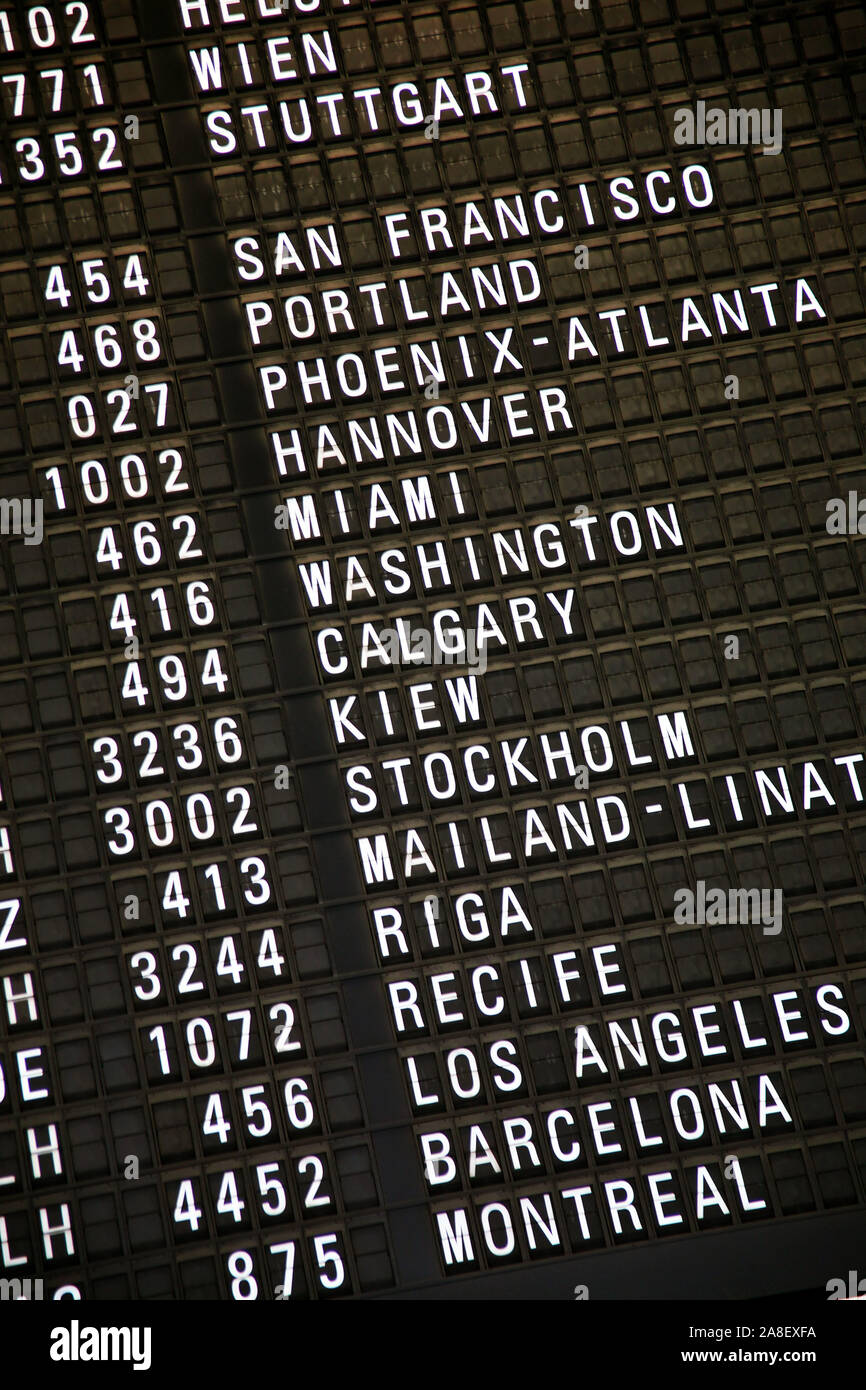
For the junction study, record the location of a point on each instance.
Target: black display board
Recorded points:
(432, 649)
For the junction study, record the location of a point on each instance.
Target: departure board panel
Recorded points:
(432, 649)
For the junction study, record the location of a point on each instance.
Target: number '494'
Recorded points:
(173, 682)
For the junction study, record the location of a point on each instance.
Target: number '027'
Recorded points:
(82, 414)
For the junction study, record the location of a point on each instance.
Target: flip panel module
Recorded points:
(432, 649)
